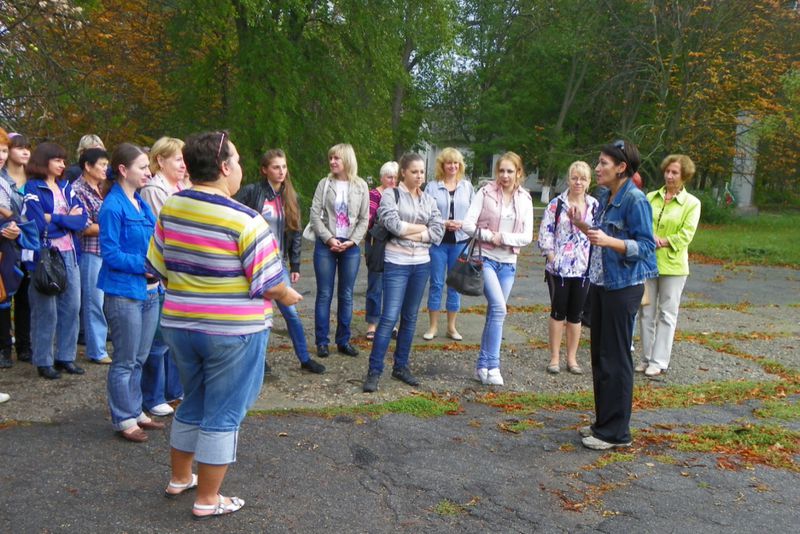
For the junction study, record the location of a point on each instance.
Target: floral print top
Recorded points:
(567, 243)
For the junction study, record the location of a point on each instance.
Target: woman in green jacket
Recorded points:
(676, 214)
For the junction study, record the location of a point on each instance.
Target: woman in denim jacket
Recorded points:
(622, 259)
(453, 194)
(415, 223)
(130, 291)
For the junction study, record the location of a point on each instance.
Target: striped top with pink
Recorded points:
(218, 258)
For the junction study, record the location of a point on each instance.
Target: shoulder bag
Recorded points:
(50, 273)
(466, 275)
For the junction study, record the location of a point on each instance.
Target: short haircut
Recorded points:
(390, 168)
(582, 168)
(686, 163)
(622, 151)
(445, 156)
(166, 147)
(91, 156)
(125, 154)
(4, 139)
(204, 153)
(18, 141)
(406, 161)
(88, 141)
(40, 159)
(348, 156)
(515, 160)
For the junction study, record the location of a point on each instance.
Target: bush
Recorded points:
(714, 210)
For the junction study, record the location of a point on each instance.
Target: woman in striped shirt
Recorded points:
(221, 266)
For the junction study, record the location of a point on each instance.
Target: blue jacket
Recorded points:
(461, 201)
(124, 237)
(629, 217)
(39, 201)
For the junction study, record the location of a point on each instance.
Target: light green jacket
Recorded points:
(676, 222)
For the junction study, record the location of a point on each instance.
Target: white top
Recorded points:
(342, 188)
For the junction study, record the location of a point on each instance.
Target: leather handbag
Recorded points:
(375, 243)
(466, 275)
(50, 273)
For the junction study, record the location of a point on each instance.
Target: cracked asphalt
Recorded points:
(63, 470)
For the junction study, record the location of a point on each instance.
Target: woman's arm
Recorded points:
(680, 239)
(111, 223)
(547, 231)
(523, 238)
(318, 212)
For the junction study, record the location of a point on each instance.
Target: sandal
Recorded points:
(371, 335)
(218, 509)
(180, 487)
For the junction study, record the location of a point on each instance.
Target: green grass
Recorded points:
(752, 444)
(446, 507)
(779, 409)
(768, 239)
(423, 406)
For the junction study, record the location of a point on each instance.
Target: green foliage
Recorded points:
(713, 209)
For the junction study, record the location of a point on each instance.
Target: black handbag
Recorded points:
(466, 276)
(50, 274)
(375, 243)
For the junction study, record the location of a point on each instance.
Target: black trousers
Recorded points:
(22, 320)
(613, 313)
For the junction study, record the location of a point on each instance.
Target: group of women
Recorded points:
(219, 264)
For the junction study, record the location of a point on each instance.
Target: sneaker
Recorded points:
(481, 374)
(161, 410)
(4, 397)
(371, 383)
(591, 442)
(403, 374)
(652, 370)
(585, 431)
(312, 367)
(105, 360)
(640, 367)
(494, 378)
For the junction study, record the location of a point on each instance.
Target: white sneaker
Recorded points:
(4, 397)
(162, 410)
(591, 442)
(494, 378)
(652, 370)
(640, 367)
(481, 374)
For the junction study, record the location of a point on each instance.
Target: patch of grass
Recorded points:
(612, 458)
(779, 409)
(446, 507)
(664, 459)
(530, 402)
(757, 240)
(421, 405)
(515, 426)
(743, 306)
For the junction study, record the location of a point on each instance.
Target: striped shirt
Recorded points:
(218, 258)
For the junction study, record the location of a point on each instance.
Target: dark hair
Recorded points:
(290, 206)
(204, 153)
(91, 156)
(40, 159)
(18, 141)
(622, 151)
(409, 158)
(125, 154)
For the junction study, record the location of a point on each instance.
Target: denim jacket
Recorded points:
(125, 234)
(461, 201)
(628, 217)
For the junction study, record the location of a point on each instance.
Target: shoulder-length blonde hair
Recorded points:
(446, 156)
(516, 161)
(348, 156)
(166, 147)
(289, 195)
(686, 163)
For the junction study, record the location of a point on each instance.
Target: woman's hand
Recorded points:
(497, 238)
(661, 242)
(598, 237)
(550, 257)
(334, 244)
(10, 231)
(76, 210)
(294, 277)
(576, 218)
(452, 226)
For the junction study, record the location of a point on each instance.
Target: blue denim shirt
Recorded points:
(461, 201)
(628, 217)
(125, 234)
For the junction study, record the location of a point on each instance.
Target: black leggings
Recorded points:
(567, 296)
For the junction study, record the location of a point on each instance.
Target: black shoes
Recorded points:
(267, 369)
(348, 349)
(322, 351)
(403, 374)
(48, 372)
(23, 355)
(69, 367)
(5, 359)
(312, 367)
(371, 383)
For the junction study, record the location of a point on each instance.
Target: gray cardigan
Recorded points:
(396, 216)
(323, 212)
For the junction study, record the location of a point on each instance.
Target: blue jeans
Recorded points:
(374, 297)
(403, 287)
(95, 327)
(160, 382)
(221, 377)
(326, 264)
(293, 324)
(53, 318)
(443, 257)
(498, 278)
(132, 324)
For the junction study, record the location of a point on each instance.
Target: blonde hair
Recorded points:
(89, 141)
(686, 163)
(348, 156)
(582, 168)
(516, 161)
(445, 156)
(390, 168)
(165, 147)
